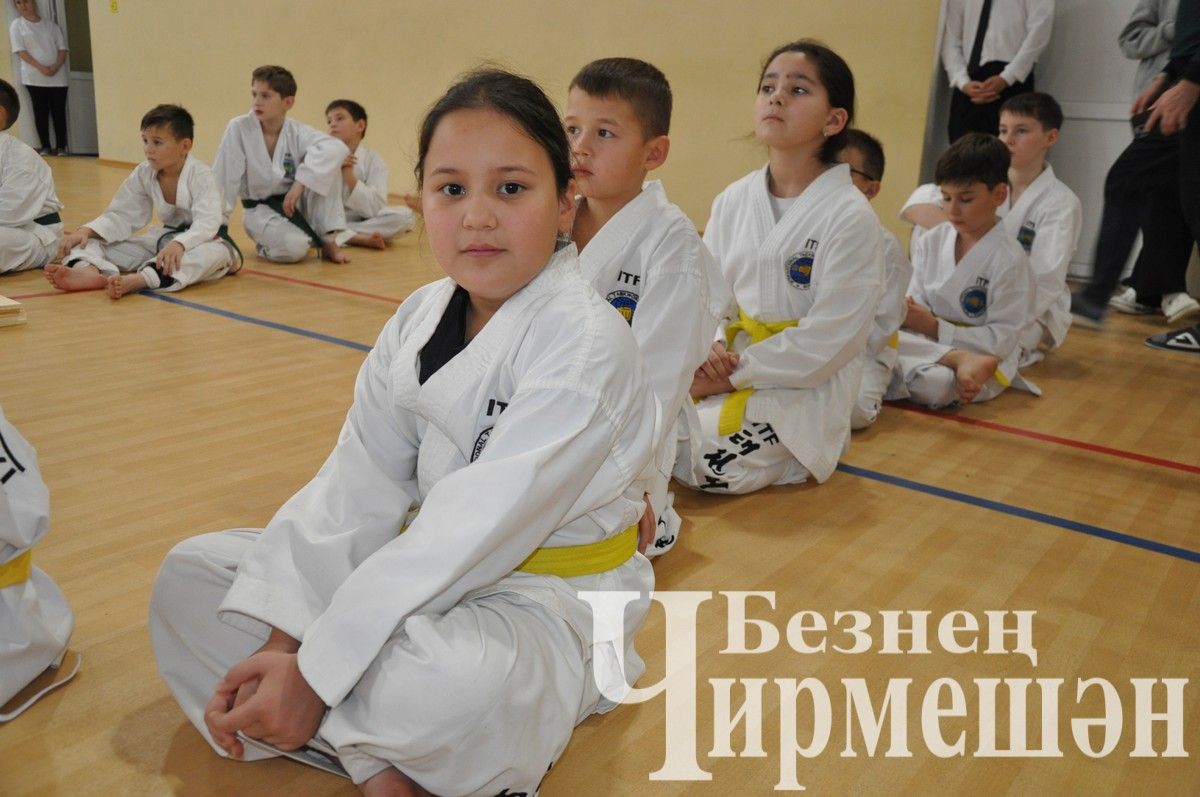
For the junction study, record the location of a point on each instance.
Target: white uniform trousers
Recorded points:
(1035, 342)
(389, 223)
(919, 377)
(278, 240)
(209, 261)
(35, 627)
(21, 250)
(481, 699)
(747, 460)
(876, 375)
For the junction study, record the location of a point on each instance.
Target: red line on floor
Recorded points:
(1050, 438)
(320, 285)
(50, 293)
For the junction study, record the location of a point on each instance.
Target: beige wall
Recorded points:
(397, 57)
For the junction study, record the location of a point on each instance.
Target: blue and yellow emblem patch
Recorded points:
(974, 301)
(625, 303)
(1026, 235)
(799, 268)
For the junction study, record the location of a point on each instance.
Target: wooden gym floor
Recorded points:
(157, 418)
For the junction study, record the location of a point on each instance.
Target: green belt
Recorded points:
(48, 219)
(222, 233)
(275, 203)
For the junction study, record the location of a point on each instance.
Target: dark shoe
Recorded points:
(1186, 340)
(1086, 312)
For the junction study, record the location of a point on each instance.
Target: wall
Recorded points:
(396, 58)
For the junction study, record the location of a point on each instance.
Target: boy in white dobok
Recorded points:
(639, 251)
(864, 155)
(1041, 213)
(187, 246)
(35, 619)
(364, 181)
(971, 294)
(287, 175)
(29, 222)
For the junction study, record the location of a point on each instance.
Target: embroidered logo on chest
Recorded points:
(625, 303)
(974, 299)
(1026, 234)
(289, 166)
(492, 411)
(799, 266)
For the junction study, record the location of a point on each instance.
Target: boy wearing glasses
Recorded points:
(864, 155)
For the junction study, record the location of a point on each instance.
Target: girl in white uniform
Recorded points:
(446, 649)
(802, 250)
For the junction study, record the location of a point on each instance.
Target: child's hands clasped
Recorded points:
(712, 377)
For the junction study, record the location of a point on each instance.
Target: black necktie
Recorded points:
(980, 32)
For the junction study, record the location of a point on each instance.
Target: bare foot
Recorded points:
(971, 371)
(79, 278)
(413, 202)
(332, 252)
(391, 782)
(123, 284)
(373, 240)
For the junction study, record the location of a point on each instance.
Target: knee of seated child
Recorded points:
(292, 249)
(863, 415)
(935, 386)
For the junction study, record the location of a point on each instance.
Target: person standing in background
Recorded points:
(40, 45)
(989, 51)
(1159, 275)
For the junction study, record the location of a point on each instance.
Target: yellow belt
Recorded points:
(583, 560)
(894, 341)
(733, 410)
(571, 561)
(17, 571)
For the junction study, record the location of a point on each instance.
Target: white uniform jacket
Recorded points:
(244, 170)
(26, 190)
(370, 195)
(1046, 221)
(892, 307)
(533, 436)
(984, 301)
(198, 205)
(649, 263)
(822, 265)
(35, 620)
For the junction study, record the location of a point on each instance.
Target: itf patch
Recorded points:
(1026, 235)
(800, 265)
(289, 166)
(974, 300)
(625, 303)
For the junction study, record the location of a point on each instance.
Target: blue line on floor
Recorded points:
(350, 344)
(1028, 514)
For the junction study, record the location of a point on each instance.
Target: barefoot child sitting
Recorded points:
(971, 292)
(189, 244)
(287, 175)
(364, 181)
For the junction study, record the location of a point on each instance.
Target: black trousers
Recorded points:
(966, 116)
(47, 101)
(1144, 177)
